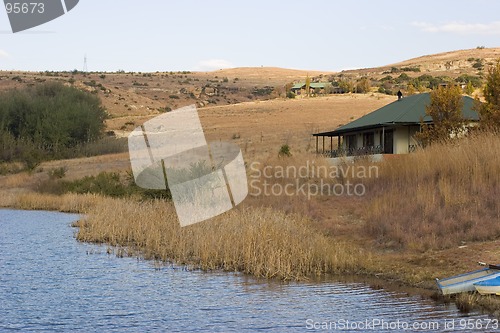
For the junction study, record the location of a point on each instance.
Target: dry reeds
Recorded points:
(289, 184)
(467, 302)
(439, 197)
(258, 241)
(70, 203)
(15, 180)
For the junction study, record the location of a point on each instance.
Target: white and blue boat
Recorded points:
(466, 282)
(488, 287)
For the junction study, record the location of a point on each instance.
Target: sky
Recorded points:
(200, 35)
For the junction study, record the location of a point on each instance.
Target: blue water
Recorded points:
(50, 282)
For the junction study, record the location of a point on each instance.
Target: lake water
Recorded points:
(50, 282)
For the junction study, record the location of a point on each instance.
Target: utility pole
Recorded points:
(85, 69)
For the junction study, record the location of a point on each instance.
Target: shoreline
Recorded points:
(370, 272)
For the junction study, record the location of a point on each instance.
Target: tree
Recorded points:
(278, 91)
(410, 89)
(48, 119)
(469, 88)
(445, 110)
(308, 85)
(346, 86)
(288, 90)
(489, 112)
(363, 86)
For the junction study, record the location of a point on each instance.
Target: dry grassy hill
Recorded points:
(452, 64)
(125, 94)
(232, 100)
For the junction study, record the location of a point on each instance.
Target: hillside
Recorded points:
(452, 64)
(131, 98)
(126, 94)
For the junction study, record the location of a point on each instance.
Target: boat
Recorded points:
(488, 287)
(465, 282)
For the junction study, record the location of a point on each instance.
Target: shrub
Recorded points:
(478, 64)
(346, 86)
(106, 145)
(107, 184)
(469, 89)
(264, 91)
(410, 69)
(57, 173)
(472, 79)
(363, 86)
(32, 159)
(285, 151)
(45, 120)
(387, 78)
(403, 78)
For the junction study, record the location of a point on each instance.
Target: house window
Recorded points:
(368, 139)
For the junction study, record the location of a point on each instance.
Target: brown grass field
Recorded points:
(261, 127)
(430, 214)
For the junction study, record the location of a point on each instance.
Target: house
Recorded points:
(314, 88)
(388, 130)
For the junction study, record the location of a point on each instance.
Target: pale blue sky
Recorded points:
(154, 35)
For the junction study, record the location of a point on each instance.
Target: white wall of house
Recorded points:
(404, 137)
(401, 140)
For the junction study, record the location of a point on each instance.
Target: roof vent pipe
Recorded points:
(400, 95)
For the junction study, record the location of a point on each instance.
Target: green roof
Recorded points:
(315, 85)
(312, 85)
(407, 111)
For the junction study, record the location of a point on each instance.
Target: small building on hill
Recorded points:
(314, 88)
(388, 130)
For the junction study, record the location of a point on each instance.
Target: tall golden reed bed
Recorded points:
(260, 241)
(438, 197)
